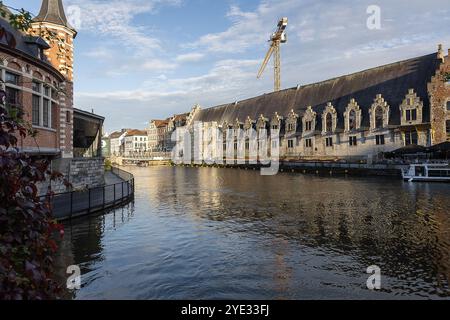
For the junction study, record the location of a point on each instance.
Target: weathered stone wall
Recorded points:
(80, 172)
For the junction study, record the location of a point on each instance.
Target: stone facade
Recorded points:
(357, 116)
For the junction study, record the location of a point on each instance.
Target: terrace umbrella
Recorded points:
(440, 150)
(409, 149)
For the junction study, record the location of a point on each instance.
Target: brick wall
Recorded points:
(47, 138)
(439, 92)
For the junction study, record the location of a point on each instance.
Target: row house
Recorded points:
(135, 141)
(160, 132)
(357, 115)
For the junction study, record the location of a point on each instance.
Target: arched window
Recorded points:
(329, 122)
(379, 118)
(352, 120)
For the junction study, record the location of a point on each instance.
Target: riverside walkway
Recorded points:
(118, 190)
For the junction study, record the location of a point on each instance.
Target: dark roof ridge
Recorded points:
(300, 87)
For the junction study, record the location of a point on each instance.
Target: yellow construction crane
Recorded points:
(276, 39)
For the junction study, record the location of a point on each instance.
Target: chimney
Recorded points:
(440, 53)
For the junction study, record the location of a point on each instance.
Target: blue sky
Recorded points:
(137, 60)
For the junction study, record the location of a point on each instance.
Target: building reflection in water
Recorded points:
(289, 232)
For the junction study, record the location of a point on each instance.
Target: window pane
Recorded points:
(36, 86)
(46, 113)
(12, 78)
(12, 96)
(379, 117)
(352, 120)
(35, 112)
(408, 115)
(448, 105)
(329, 123)
(47, 91)
(414, 114)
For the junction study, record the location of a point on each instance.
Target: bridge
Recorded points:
(142, 158)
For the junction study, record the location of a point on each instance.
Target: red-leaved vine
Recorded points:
(27, 228)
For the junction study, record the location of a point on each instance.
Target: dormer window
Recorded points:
(274, 127)
(290, 127)
(352, 116)
(329, 122)
(309, 120)
(308, 125)
(411, 115)
(379, 113)
(411, 109)
(329, 119)
(378, 118)
(352, 120)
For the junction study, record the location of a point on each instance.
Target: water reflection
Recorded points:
(228, 233)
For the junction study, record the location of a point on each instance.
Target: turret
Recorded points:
(52, 21)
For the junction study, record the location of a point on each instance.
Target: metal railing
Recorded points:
(76, 203)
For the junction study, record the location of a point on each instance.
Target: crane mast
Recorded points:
(278, 37)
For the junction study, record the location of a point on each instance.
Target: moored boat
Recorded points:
(433, 172)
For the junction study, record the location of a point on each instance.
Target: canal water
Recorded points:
(211, 233)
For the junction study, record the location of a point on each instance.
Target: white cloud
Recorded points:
(190, 57)
(325, 39)
(100, 53)
(114, 18)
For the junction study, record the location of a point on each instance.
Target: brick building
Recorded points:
(38, 78)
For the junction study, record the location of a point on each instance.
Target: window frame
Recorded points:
(380, 140)
(290, 144)
(40, 91)
(308, 143)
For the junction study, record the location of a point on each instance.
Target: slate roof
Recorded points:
(53, 11)
(17, 40)
(392, 81)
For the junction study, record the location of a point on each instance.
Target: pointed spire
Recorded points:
(53, 11)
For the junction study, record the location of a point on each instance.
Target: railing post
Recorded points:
(89, 204)
(71, 203)
(114, 186)
(104, 191)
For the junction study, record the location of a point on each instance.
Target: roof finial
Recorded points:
(440, 53)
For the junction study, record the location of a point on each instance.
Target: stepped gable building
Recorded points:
(37, 77)
(360, 114)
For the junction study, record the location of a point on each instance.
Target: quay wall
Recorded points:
(81, 173)
(393, 170)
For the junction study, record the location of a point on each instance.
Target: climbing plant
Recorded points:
(27, 229)
(28, 232)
